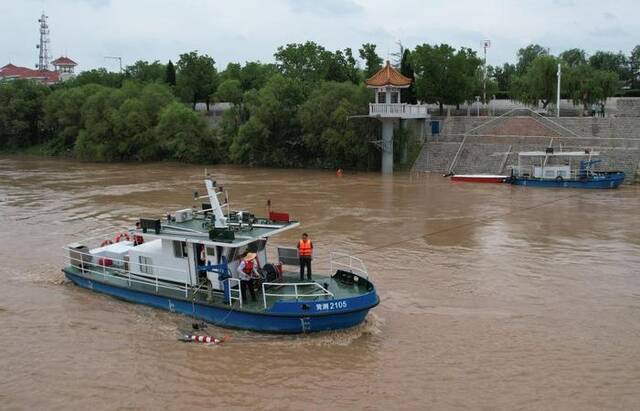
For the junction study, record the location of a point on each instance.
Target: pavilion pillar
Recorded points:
(387, 146)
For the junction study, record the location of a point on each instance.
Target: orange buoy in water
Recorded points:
(339, 172)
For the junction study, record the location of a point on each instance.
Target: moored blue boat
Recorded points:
(564, 175)
(187, 262)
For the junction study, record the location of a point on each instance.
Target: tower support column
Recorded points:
(387, 146)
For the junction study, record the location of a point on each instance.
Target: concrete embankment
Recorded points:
(490, 144)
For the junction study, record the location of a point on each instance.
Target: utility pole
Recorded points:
(558, 92)
(116, 58)
(485, 45)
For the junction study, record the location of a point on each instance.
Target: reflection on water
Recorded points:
(491, 296)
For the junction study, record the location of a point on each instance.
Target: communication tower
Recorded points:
(43, 47)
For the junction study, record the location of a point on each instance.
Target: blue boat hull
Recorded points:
(606, 180)
(283, 317)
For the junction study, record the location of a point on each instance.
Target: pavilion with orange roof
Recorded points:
(389, 109)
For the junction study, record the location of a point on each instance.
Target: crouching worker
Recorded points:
(248, 273)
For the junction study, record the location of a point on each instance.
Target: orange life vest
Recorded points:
(248, 267)
(305, 248)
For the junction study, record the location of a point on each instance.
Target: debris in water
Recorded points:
(206, 339)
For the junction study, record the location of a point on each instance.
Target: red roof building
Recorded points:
(64, 67)
(11, 72)
(64, 61)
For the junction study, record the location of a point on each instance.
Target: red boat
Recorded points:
(479, 178)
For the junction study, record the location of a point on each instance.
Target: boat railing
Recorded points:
(528, 171)
(317, 291)
(119, 269)
(238, 291)
(347, 262)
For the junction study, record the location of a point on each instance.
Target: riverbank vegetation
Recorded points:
(308, 109)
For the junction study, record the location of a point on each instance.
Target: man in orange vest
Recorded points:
(305, 252)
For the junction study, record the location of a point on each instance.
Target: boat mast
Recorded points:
(216, 207)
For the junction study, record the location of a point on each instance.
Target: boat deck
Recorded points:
(339, 289)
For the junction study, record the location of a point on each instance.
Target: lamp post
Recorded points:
(558, 92)
(116, 58)
(485, 45)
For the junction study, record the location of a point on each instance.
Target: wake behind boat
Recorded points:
(187, 263)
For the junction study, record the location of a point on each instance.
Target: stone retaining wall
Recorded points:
(485, 148)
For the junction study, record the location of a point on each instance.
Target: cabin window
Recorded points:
(211, 252)
(257, 246)
(382, 97)
(180, 249)
(549, 173)
(562, 173)
(394, 97)
(145, 265)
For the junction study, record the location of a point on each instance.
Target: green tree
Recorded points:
(527, 55)
(329, 138)
(97, 140)
(170, 74)
(609, 61)
(120, 124)
(586, 85)
(502, 75)
(232, 72)
(634, 65)
(97, 76)
(254, 75)
(146, 72)
(272, 134)
(538, 83)
(229, 91)
(302, 61)
(573, 57)
(443, 75)
(408, 95)
(373, 62)
(21, 113)
(184, 136)
(63, 115)
(197, 78)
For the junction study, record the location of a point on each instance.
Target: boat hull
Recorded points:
(479, 178)
(608, 180)
(284, 317)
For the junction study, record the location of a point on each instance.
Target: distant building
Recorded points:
(63, 66)
(388, 108)
(11, 72)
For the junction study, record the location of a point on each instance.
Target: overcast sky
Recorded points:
(244, 30)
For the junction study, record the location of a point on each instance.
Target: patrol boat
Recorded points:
(187, 262)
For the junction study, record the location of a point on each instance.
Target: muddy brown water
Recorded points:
(492, 297)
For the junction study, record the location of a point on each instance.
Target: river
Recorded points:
(492, 297)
